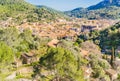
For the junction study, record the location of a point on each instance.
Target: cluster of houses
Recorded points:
(65, 29)
(61, 28)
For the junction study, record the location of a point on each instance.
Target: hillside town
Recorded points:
(66, 29)
(39, 43)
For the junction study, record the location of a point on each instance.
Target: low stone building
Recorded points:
(27, 59)
(88, 28)
(116, 63)
(53, 43)
(112, 73)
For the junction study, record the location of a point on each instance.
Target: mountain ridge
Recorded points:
(106, 9)
(105, 3)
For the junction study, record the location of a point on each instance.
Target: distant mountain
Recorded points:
(108, 9)
(20, 10)
(105, 3)
(59, 13)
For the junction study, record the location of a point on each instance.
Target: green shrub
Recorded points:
(104, 64)
(63, 62)
(6, 54)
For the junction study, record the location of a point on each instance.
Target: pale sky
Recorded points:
(64, 5)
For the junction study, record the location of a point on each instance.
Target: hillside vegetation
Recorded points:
(44, 46)
(64, 62)
(21, 11)
(106, 9)
(111, 12)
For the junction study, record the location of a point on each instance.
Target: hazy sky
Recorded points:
(64, 5)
